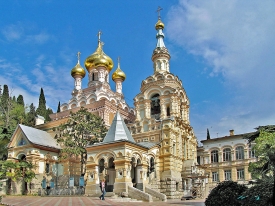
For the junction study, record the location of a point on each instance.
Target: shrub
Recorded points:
(261, 194)
(225, 194)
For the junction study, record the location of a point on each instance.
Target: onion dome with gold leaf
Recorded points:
(99, 58)
(78, 69)
(159, 25)
(118, 74)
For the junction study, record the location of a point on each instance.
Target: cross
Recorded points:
(118, 60)
(78, 56)
(99, 34)
(159, 9)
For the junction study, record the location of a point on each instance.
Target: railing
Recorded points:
(156, 194)
(139, 195)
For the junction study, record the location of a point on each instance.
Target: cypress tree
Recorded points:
(20, 100)
(5, 97)
(31, 116)
(41, 109)
(58, 107)
(208, 135)
(49, 111)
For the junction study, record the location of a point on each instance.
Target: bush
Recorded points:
(261, 194)
(225, 194)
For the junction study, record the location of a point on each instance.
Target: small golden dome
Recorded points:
(159, 25)
(118, 74)
(78, 69)
(99, 58)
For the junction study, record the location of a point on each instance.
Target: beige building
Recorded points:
(226, 158)
(150, 150)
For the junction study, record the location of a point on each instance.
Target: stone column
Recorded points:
(147, 106)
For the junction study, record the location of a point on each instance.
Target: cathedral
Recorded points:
(149, 151)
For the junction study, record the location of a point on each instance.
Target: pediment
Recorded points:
(19, 139)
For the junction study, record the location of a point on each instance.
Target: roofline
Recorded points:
(226, 137)
(118, 141)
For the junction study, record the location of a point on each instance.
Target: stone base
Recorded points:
(120, 187)
(92, 190)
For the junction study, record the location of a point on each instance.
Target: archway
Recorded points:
(111, 175)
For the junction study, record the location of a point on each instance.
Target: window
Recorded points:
(168, 111)
(227, 174)
(47, 170)
(215, 177)
(155, 106)
(240, 174)
(21, 142)
(199, 160)
(214, 156)
(251, 152)
(239, 153)
(227, 154)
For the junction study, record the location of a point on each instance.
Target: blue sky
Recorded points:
(223, 51)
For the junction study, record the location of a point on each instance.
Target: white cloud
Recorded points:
(236, 39)
(12, 32)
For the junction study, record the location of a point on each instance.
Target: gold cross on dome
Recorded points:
(159, 9)
(99, 34)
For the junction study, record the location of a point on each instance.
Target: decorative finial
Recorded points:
(159, 9)
(78, 56)
(99, 35)
(118, 62)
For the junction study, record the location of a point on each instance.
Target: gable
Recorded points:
(18, 139)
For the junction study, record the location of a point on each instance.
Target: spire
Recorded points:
(161, 54)
(118, 131)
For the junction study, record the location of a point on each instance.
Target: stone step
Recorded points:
(125, 199)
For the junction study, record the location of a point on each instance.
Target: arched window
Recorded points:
(239, 151)
(168, 111)
(152, 165)
(101, 165)
(93, 76)
(155, 106)
(227, 154)
(214, 156)
(111, 163)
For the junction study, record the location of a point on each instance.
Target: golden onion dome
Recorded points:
(118, 74)
(78, 69)
(159, 25)
(99, 58)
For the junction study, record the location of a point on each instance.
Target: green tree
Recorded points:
(20, 100)
(16, 171)
(41, 109)
(264, 168)
(49, 111)
(82, 129)
(225, 193)
(208, 134)
(31, 115)
(58, 107)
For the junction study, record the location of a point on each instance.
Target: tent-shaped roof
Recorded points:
(118, 131)
(38, 137)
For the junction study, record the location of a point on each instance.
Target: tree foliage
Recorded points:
(226, 194)
(82, 129)
(31, 115)
(20, 100)
(41, 109)
(259, 194)
(17, 170)
(58, 107)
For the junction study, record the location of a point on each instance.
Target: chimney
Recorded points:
(39, 120)
(231, 132)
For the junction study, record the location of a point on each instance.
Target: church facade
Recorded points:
(150, 148)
